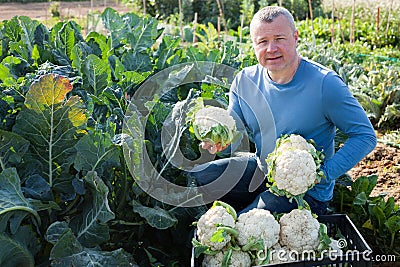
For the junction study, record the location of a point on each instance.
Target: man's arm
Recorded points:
(346, 113)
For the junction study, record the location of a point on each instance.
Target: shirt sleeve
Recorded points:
(236, 112)
(343, 110)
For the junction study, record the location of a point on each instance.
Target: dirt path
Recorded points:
(40, 11)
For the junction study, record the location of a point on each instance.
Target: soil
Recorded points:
(41, 11)
(384, 161)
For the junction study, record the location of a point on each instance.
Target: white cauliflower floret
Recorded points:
(238, 259)
(295, 171)
(257, 224)
(299, 230)
(295, 141)
(208, 223)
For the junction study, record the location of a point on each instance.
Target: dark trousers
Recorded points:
(239, 182)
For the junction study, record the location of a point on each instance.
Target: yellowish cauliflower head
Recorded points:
(295, 171)
(299, 230)
(207, 225)
(238, 259)
(257, 224)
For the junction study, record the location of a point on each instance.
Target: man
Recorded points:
(303, 98)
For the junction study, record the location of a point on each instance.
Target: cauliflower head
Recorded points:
(214, 125)
(238, 258)
(294, 141)
(299, 230)
(257, 224)
(295, 171)
(208, 224)
(211, 124)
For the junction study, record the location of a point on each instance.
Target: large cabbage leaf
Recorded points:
(12, 201)
(19, 248)
(68, 251)
(91, 227)
(52, 123)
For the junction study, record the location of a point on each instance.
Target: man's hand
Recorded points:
(213, 148)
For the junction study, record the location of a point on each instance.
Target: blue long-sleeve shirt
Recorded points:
(313, 105)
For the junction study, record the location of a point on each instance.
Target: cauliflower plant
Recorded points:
(257, 230)
(294, 167)
(299, 231)
(231, 258)
(212, 124)
(214, 228)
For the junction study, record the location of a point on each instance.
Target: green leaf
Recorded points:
(364, 184)
(55, 231)
(393, 224)
(28, 27)
(227, 258)
(11, 197)
(52, 125)
(96, 152)
(115, 25)
(141, 33)
(12, 29)
(14, 253)
(91, 226)
(199, 248)
(368, 225)
(136, 61)
(360, 199)
(378, 218)
(66, 245)
(8, 70)
(65, 36)
(67, 250)
(166, 54)
(12, 148)
(155, 217)
(95, 74)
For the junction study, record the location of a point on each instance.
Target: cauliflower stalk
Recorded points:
(294, 167)
(212, 124)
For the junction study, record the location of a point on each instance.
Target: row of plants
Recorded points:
(65, 181)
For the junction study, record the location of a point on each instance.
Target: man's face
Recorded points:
(275, 44)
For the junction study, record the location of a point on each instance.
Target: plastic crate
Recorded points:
(358, 251)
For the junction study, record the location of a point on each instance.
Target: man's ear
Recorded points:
(296, 36)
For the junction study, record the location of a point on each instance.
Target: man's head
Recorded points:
(275, 37)
(269, 13)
